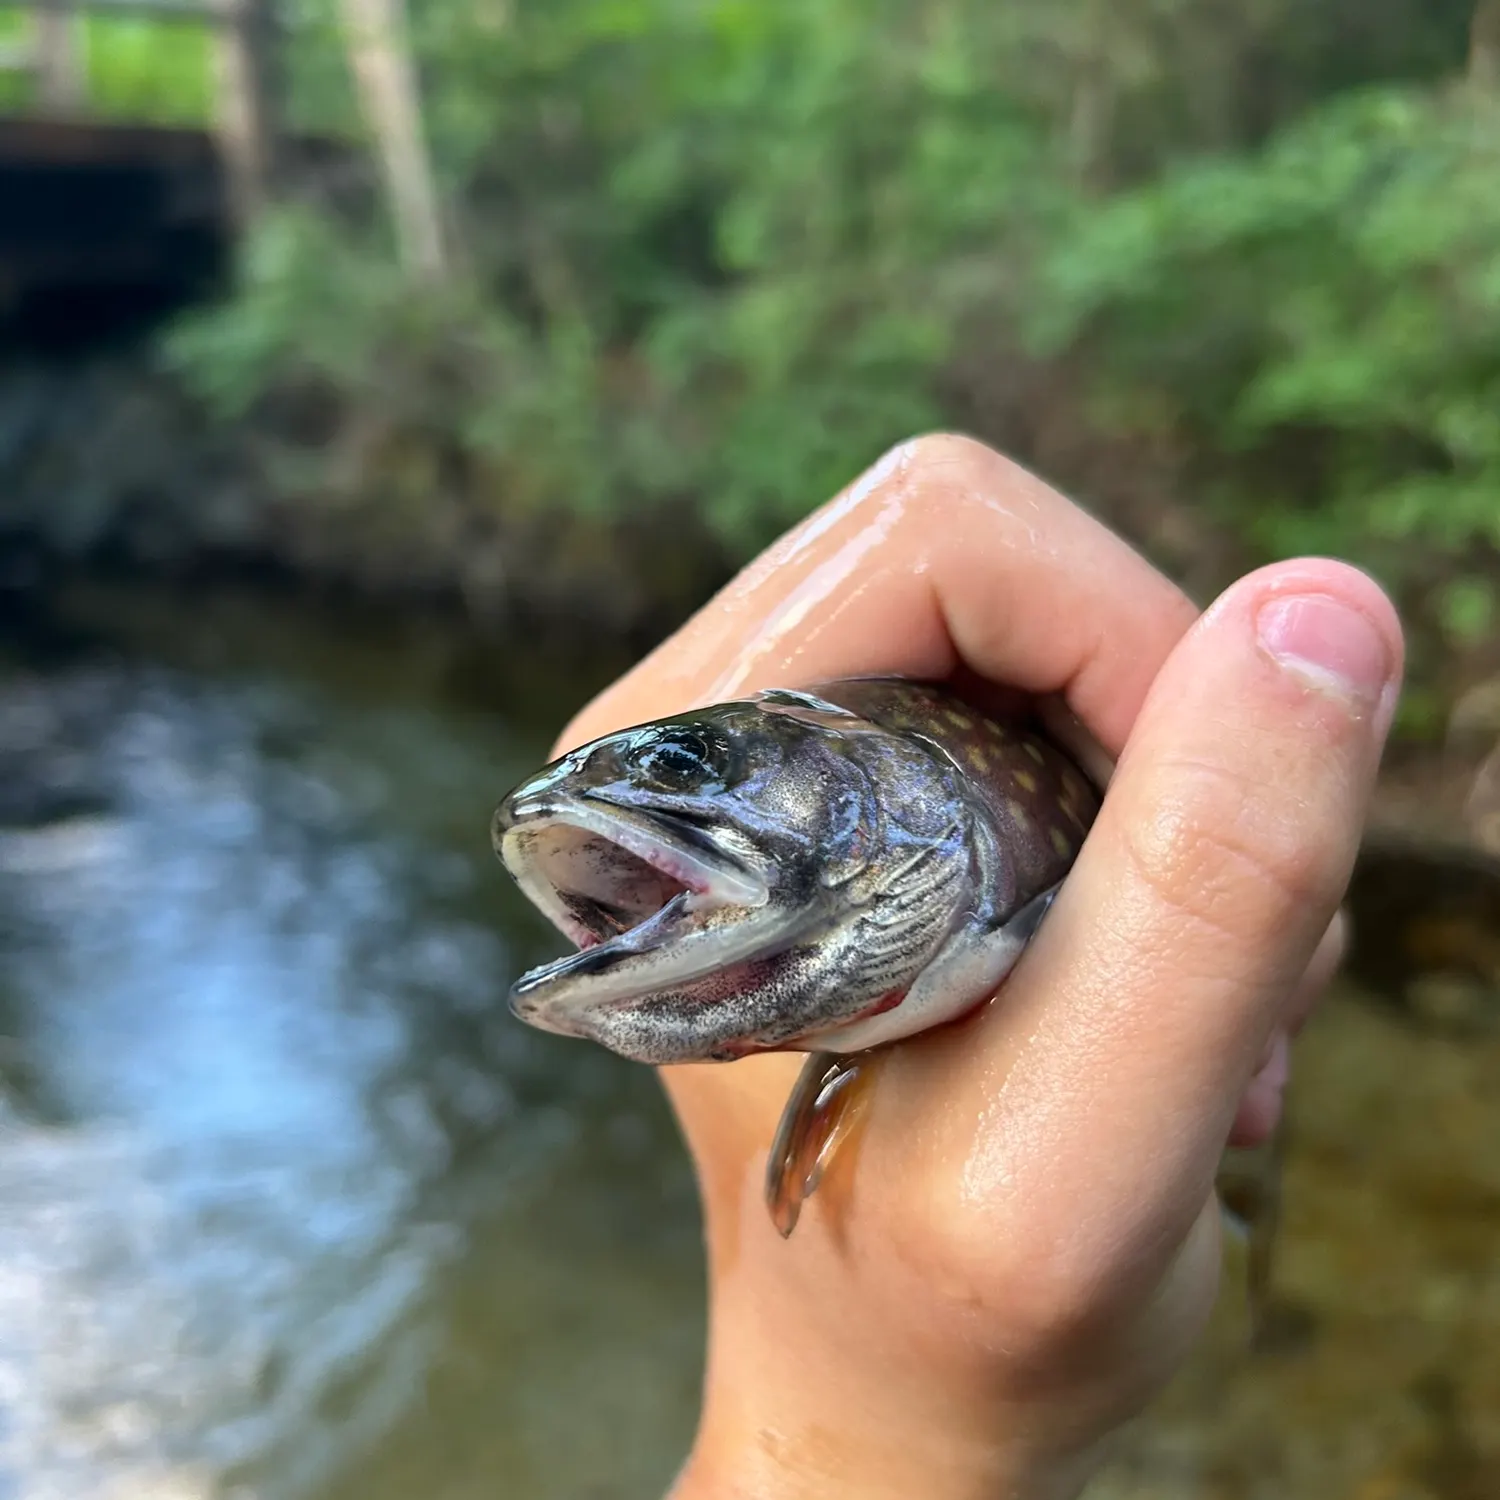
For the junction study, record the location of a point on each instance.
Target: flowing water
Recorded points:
(290, 1208)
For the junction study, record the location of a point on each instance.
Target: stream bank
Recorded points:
(112, 467)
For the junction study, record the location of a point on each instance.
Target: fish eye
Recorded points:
(679, 759)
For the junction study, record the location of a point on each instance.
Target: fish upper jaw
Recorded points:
(524, 823)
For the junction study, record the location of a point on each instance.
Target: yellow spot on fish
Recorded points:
(979, 757)
(1026, 781)
(1034, 750)
(1018, 815)
(958, 720)
(1061, 843)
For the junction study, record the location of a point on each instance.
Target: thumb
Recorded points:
(1217, 863)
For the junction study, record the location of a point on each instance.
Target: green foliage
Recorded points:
(442, 372)
(1468, 609)
(161, 71)
(1322, 320)
(145, 70)
(721, 253)
(14, 89)
(150, 71)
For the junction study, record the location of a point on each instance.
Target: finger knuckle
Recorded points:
(1221, 855)
(950, 455)
(1041, 1287)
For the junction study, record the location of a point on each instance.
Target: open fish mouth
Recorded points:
(652, 900)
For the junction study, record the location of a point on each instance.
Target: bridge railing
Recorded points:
(249, 94)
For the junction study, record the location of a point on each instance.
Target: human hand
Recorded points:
(1027, 1240)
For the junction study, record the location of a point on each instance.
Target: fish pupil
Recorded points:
(676, 758)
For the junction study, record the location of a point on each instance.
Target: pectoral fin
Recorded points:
(825, 1102)
(832, 1089)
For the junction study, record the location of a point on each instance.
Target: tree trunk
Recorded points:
(1484, 45)
(247, 63)
(59, 62)
(380, 58)
(1091, 106)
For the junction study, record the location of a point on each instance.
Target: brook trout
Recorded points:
(825, 871)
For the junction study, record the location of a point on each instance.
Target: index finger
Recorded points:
(944, 554)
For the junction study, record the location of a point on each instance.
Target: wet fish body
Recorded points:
(827, 870)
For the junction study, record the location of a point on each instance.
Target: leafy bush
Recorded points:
(1320, 322)
(134, 69)
(720, 255)
(328, 334)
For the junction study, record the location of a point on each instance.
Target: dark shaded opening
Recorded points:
(105, 232)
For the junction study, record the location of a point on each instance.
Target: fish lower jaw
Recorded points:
(656, 993)
(615, 1027)
(603, 1031)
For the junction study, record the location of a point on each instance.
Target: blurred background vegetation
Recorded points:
(1228, 273)
(290, 1207)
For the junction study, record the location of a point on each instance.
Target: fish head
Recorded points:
(678, 855)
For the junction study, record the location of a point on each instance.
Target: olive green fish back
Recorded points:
(1042, 804)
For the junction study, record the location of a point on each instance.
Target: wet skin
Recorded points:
(1029, 1241)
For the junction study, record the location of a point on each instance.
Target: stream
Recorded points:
(291, 1208)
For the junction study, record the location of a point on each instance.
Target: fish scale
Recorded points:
(1040, 801)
